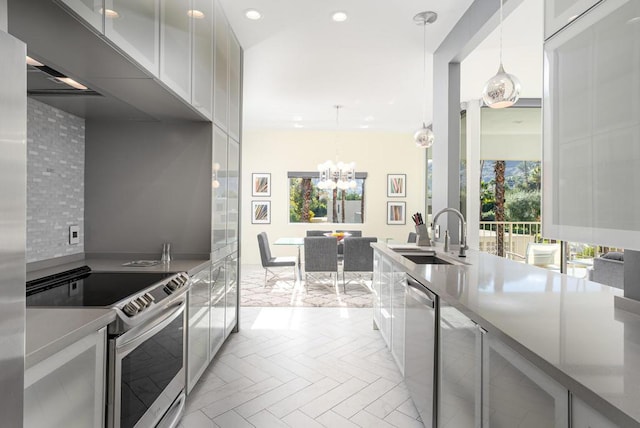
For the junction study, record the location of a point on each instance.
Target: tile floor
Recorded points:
(302, 367)
(286, 291)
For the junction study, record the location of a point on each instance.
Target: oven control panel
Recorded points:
(154, 294)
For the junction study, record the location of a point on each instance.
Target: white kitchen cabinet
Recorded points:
(235, 70)
(90, 11)
(202, 58)
(199, 319)
(386, 310)
(518, 394)
(219, 190)
(136, 30)
(375, 289)
(592, 128)
(558, 13)
(231, 294)
(68, 388)
(460, 369)
(583, 416)
(175, 46)
(398, 314)
(217, 306)
(221, 70)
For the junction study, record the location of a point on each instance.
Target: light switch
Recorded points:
(74, 235)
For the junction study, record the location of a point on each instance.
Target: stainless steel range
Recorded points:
(146, 343)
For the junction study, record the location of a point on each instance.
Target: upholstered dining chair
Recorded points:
(320, 256)
(358, 256)
(269, 262)
(356, 233)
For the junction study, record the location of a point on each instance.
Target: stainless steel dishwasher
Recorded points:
(420, 356)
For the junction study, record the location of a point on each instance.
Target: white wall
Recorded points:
(377, 154)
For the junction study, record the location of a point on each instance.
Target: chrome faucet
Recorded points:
(462, 228)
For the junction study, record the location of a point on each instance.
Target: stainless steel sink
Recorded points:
(425, 259)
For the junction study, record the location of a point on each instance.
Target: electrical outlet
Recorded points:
(74, 234)
(436, 232)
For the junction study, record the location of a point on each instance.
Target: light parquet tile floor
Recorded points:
(302, 367)
(288, 291)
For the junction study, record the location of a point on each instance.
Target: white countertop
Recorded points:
(51, 330)
(567, 326)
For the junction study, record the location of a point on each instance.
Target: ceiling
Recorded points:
(298, 63)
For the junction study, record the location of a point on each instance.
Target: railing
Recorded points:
(516, 235)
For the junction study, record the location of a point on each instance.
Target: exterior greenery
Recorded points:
(522, 184)
(307, 201)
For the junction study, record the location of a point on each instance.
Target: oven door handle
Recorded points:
(124, 344)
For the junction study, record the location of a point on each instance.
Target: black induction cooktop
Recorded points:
(83, 287)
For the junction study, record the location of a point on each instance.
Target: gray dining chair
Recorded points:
(317, 232)
(358, 257)
(269, 262)
(321, 256)
(352, 233)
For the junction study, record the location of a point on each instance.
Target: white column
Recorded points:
(473, 173)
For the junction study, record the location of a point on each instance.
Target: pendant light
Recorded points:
(424, 136)
(503, 89)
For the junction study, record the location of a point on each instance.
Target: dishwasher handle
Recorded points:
(418, 292)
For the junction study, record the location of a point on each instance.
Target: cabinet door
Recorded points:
(518, 394)
(221, 74)
(558, 13)
(233, 191)
(175, 46)
(136, 30)
(398, 313)
(235, 63)
(217, 323)
(385, 300)
(583, 416)
(199, 319)
(202, 58)
(460, 370)
(231, 295)
(377, 275)
(68, 388)
(219, 190)
(592, 128)
(91, 11)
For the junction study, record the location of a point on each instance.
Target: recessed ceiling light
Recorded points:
(339, 16)
(195, 14)
(297, 118)
(109, 13)
(364, 126)
(33, 62)
(369, 119)
(298, 125)
(253, 14)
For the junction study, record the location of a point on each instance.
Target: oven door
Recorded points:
(146, 370)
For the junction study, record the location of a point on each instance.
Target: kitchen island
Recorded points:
(566, 328)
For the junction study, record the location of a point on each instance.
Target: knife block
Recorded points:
(422, 239)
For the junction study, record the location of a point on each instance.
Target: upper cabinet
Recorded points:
(91, 11)
(235, 89)
(558, 13)
(134, 26)
(221, 71)
(202, 61)
(592, 128)
(175, 42)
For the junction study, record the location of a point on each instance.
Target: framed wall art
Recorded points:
(396, 185)
(261, 212)
(396, 212)
(261, 184)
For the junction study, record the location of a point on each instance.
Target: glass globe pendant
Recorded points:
(424, 137)
(502, 90)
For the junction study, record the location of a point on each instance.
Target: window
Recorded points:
(309, 204)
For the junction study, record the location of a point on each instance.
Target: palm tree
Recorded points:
(499, 172)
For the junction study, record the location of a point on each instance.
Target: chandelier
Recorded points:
(339, 175)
